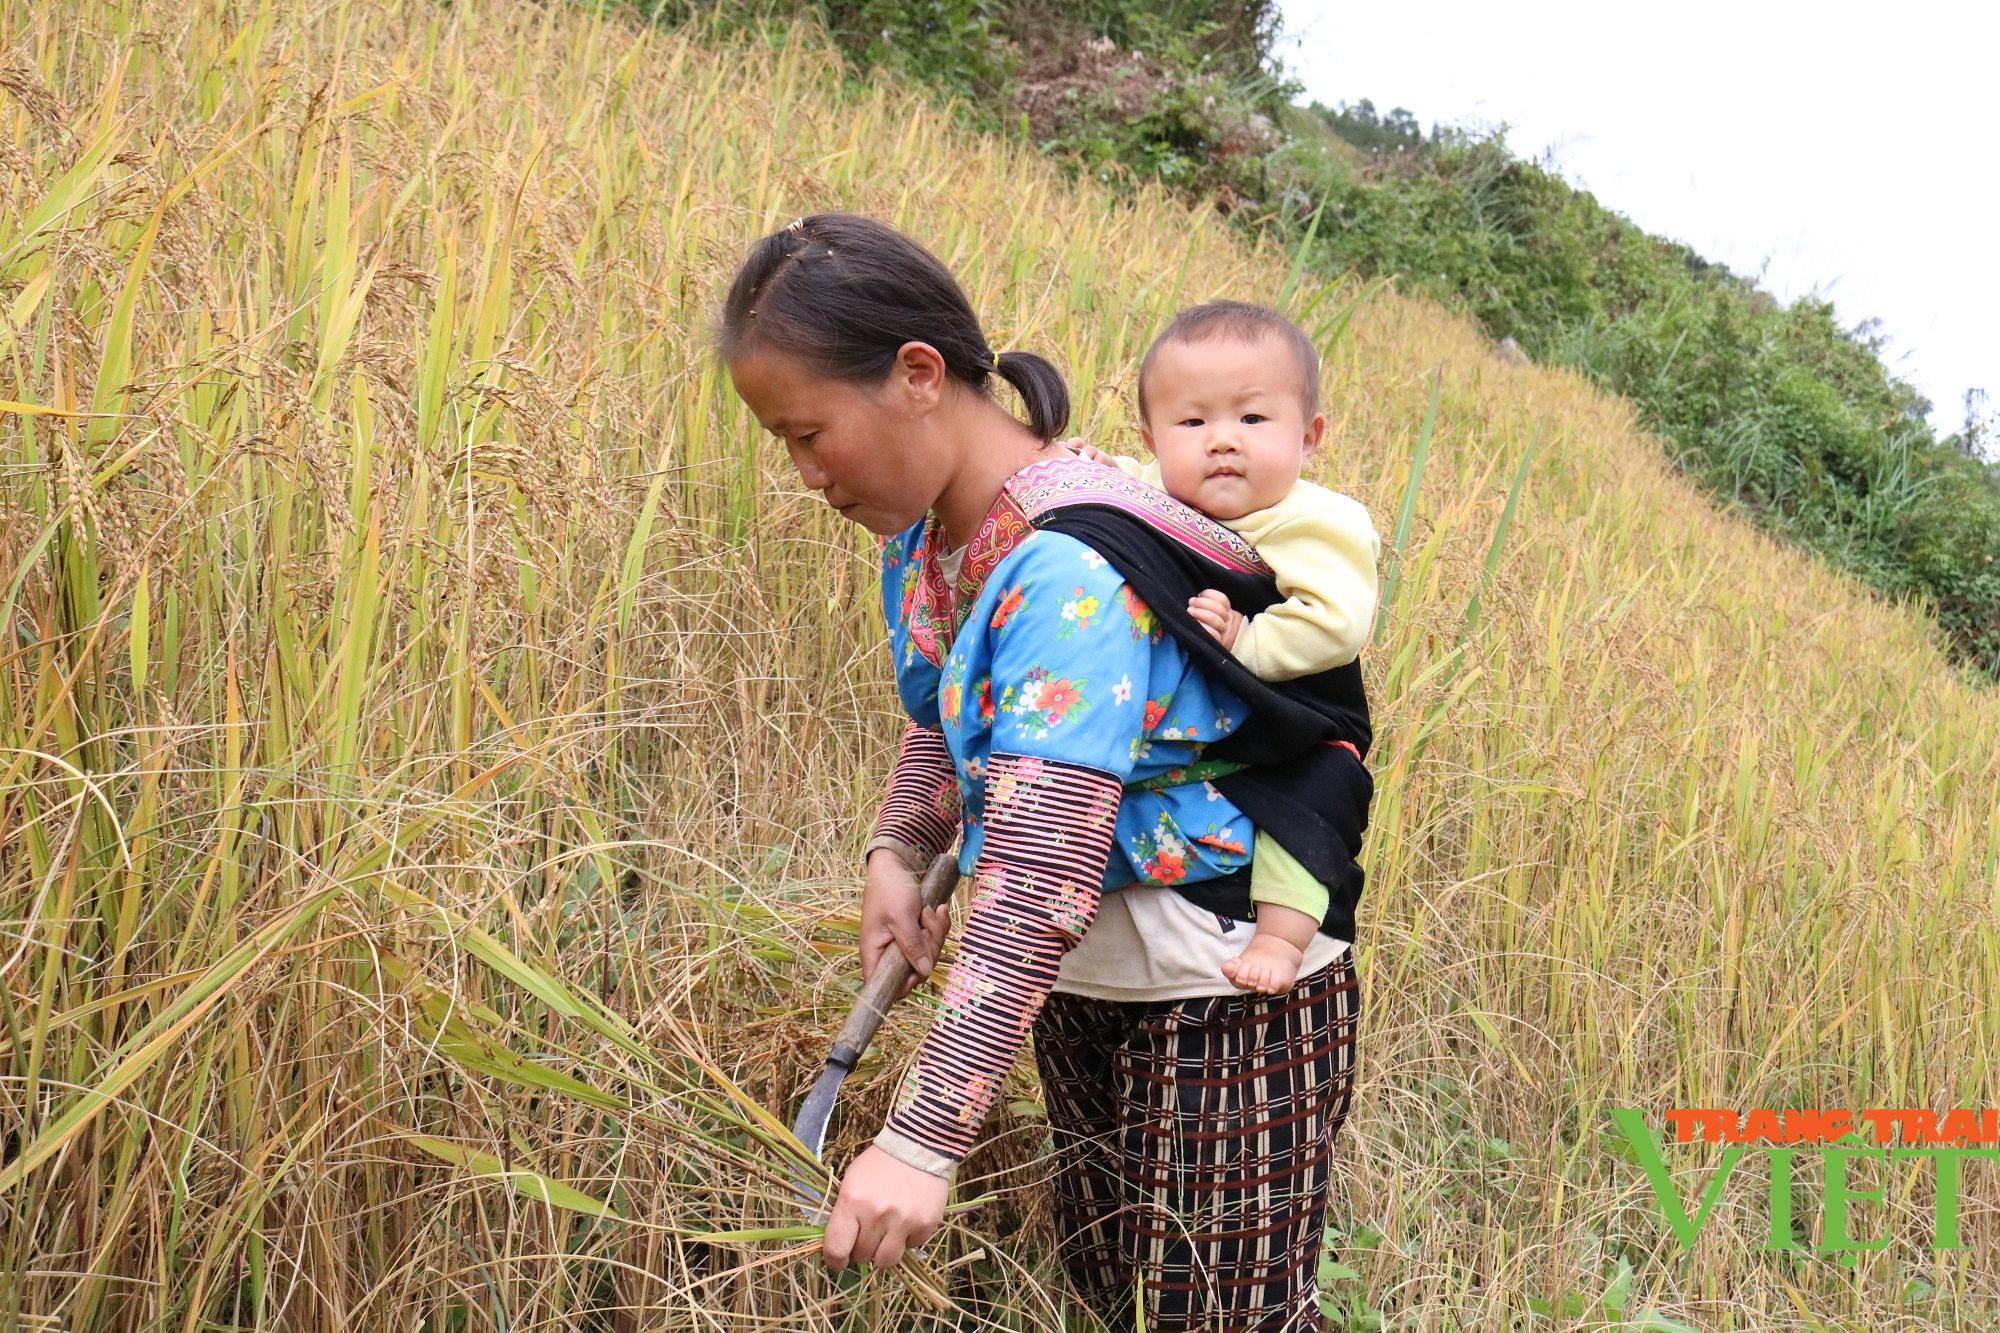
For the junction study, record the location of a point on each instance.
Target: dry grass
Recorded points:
(438, 730)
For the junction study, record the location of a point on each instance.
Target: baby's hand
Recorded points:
(1217, 616)
(1076, 445)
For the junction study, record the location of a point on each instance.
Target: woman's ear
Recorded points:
(918, 376)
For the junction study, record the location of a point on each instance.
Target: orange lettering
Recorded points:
(1958, 1126)
(1762, 1124)
(1881, 1120)
(1683, 1122)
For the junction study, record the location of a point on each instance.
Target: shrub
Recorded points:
(1776, 408)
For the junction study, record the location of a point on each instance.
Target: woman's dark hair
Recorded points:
(843, 293)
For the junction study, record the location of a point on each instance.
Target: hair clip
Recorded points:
(796, 224)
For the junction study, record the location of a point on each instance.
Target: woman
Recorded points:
(1082, 741)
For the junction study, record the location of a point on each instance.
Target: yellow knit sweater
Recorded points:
(1322, 547)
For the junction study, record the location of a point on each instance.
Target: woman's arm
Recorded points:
(1036, 889)
(920, 810)
(919, 815)
(1035, 892)
(1068, 683)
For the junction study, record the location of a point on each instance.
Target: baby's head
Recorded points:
(1229, 404)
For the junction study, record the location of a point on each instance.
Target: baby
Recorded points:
(1229, 405)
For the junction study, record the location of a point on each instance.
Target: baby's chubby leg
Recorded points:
(1270, 963)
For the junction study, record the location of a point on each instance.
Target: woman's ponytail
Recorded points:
(844, 293)
(1041, 388)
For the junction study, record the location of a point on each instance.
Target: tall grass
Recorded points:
(438, 731)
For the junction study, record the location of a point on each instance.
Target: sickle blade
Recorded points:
(817, 1109)
(810, 1129)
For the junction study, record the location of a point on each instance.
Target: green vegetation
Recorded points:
(1777, 409)
(1183, 92)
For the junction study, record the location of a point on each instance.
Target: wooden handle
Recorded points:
(891, 971)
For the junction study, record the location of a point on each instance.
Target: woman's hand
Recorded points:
(883, 1209)
(891, 915)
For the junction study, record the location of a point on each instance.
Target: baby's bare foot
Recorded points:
(1269, 965)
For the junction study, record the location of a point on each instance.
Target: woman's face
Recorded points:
(865, 448)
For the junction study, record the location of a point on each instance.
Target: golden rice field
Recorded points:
(437, 732)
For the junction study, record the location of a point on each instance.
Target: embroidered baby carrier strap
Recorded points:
(934, 607)
(1060, 483)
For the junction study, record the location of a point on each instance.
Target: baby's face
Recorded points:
(1226, 421)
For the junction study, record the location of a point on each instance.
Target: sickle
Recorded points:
(881, 992)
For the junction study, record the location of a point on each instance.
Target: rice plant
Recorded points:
(437, 732)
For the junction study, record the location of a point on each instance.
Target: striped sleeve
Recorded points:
(1035, 891)
(920, 811)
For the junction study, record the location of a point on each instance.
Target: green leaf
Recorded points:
(141, 624)
(72, 188)
(799, 1232)
(1299, 259)
(1652, 1321)
(1392, 583)
(114, 367)
(1619, 1293)
(531, 1183)
(152, 1043)
(473, 1051)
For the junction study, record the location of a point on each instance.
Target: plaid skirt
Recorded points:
(1194, 1141)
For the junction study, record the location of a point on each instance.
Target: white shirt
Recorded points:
(1149, 943)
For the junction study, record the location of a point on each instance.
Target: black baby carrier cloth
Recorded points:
(1300, 781)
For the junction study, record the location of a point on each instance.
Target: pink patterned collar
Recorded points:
(935, 611)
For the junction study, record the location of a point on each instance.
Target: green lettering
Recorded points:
(1947, 1189)
(1647, 1150)
(1781, 1199)
(1838, 1196)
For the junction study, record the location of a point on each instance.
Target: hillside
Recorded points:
(439, 732)
(1779, 409)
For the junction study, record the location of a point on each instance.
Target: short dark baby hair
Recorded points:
(1239, 321)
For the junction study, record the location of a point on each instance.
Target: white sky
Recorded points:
(1840, 147)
